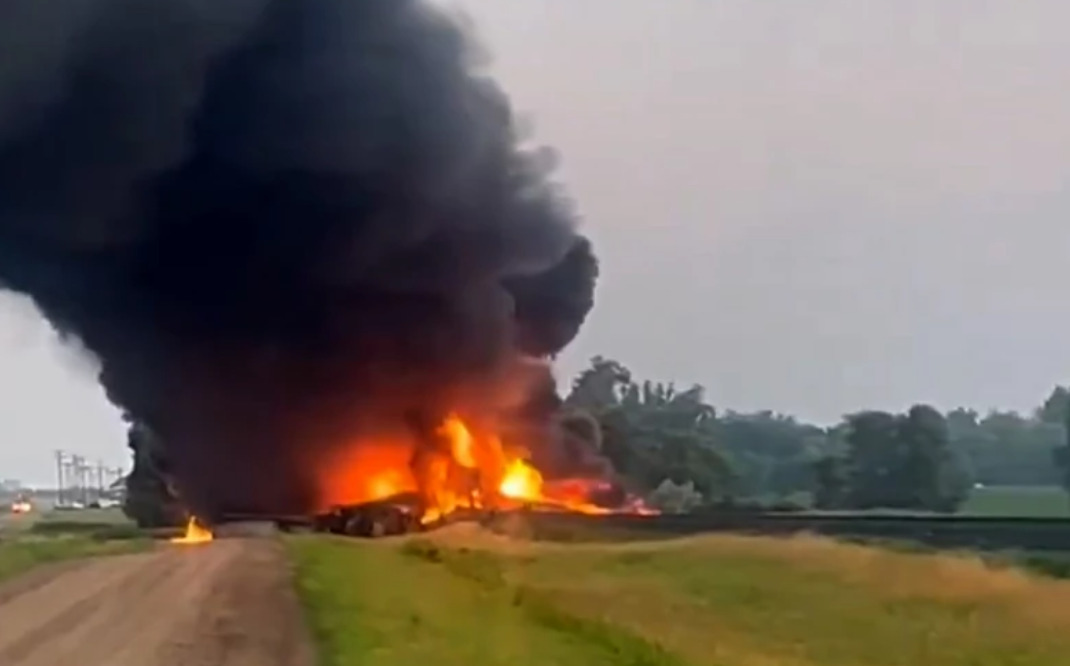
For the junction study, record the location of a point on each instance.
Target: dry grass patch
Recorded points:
(802, 601)
(949, 578)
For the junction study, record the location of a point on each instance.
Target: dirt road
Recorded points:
(228, 603)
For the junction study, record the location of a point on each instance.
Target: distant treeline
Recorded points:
(671, 443)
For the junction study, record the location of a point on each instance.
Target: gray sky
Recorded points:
(806, 206)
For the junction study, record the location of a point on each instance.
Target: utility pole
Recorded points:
(70, 479)
(84, 472)
(78, 480)
(59, 477)
(120, 474)
(79, 475)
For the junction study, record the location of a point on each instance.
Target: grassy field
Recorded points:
(1018, 501)
(20, 555)
(57, 519)
(463, 597)
(40, 538)
(998, 501)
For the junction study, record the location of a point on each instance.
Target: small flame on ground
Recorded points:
(195, 533)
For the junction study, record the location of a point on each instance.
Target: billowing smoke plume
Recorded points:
(281, 225)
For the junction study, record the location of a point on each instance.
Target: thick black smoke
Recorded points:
(279, 224)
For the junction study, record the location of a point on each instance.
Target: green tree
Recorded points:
(831, 483)
(932, 475)
(1061, 456)
(1006, 448)
(902, 461)
(1055, 407)
(874, 462)
(1062, 453)
(772, 454)
(652, 431)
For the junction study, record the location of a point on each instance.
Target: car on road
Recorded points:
(21, 505)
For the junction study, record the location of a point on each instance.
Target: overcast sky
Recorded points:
(812, 207)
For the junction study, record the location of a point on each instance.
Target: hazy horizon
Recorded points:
(812, 208)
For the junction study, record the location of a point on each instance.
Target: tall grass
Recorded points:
(706, 600)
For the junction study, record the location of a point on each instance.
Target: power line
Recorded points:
(82, 482)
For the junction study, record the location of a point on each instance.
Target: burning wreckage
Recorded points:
(390, 488)
(311, 250)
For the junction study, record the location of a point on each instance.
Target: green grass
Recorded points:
(464, 598)
(997, 501)
(63, 521)
(40, 538)
(1018, 501)
(99, 531)
(375, 605)
(99, 524)
(20, 555)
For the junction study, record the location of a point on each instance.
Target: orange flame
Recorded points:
(521, 482)
(195, 534)
(462, 444)
(471, 469)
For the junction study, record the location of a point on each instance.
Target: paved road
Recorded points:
(228, 603)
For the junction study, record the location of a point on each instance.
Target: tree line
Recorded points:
(671, 444)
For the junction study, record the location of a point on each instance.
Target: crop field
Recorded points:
(465, 596)
(1018, 501)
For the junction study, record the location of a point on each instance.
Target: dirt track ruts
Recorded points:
(228, 603)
